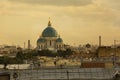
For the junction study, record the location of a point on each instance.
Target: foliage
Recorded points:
(59, 53)
(68, 52)
(20, 55)
(9, 60)
(30, 55)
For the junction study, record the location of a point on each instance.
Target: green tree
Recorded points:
(20, 55)
(5, 62)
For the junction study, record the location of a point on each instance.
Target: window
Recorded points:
(50, 42)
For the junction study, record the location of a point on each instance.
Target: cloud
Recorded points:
(57, 2)
(86, 14)
(99, 17)
(111, 4)
(111, 10)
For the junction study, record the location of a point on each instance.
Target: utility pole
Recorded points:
(114, 56)
(67, 75)
(115, 51)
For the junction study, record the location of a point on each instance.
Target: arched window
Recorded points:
(50, 42)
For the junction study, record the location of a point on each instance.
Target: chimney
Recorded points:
(29, 44)
(99, 41)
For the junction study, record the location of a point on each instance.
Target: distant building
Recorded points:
(8, 50)
(108, 51)
(50, 40)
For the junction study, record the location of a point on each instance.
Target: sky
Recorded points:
(77, 21)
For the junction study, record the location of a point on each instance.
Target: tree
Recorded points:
(20, 55)
(65, 53)
(5, 61)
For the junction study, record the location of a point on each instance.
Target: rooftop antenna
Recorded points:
(24, 45)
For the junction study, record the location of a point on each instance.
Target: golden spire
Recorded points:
(59, 35)
(49, 23)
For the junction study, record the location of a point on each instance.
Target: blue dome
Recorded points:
(40, 40)
(59, 40)
(49, 32)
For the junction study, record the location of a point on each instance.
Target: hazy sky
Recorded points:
(77, 21)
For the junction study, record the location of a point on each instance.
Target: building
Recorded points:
(109, 54)
(108, 51)
(92, 65)
(50, 40)
(8, 50)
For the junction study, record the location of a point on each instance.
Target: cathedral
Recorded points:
(50, 40)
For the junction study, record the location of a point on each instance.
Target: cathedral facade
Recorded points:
(50, 40)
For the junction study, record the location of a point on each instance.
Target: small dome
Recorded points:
(59, 40)
(88, 45)
(40, 40)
